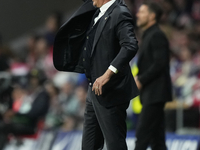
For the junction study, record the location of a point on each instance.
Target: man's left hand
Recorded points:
(102, 80)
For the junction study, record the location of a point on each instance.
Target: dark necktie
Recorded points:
(95, 15)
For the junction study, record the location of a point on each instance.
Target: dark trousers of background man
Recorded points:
(151, 128)
(15, 129)
(102, 122)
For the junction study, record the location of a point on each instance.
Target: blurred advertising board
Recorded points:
(72, 141)
(49, 140)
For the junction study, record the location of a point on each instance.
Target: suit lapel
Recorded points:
(102, 24)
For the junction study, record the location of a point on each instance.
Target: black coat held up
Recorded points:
(114, 44)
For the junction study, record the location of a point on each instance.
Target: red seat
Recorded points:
(40, 126)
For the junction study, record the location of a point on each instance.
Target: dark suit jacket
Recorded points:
(39, 108)
(114, 44)
(153, 64)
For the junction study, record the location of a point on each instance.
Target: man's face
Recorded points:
(98, 3)
(143, 16)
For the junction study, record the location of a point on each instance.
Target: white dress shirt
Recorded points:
(103, 10)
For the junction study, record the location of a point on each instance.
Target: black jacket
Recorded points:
(114, 44)
(39, 108)
(153, 64)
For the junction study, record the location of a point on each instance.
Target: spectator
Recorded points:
(30, 50)
(68, 99)
(170, 13)
(5, 88)
(53, 118)
(53, 23)
(70, 104)
(81, 94)
(43, 57)
(32, 106)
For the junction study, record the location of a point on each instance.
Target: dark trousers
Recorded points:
(151, 129)
(104, 123)
(13, 128)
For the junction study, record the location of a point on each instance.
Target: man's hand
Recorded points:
(138, 83)
(102, 80)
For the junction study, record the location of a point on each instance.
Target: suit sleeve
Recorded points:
(160, 51)
(127, 41)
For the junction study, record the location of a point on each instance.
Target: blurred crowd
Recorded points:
(33, 91)
(27, 75)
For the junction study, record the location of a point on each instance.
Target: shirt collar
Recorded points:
(105, 7)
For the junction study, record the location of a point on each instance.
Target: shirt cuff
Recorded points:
(113, 69)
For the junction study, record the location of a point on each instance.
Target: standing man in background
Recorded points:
(153, 79)
(99, 40)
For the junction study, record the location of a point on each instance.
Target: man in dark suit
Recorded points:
(98, 40)
(153, 78)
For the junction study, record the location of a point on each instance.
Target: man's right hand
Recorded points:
(138, 83)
